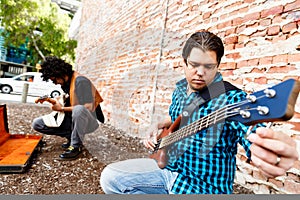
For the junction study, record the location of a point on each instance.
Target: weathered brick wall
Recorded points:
(132, 52)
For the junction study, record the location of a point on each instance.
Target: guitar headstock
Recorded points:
(46, 98)
(272, 104)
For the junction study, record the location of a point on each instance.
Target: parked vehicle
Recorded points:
(36, 85)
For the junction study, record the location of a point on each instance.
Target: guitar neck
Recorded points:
(194, 127)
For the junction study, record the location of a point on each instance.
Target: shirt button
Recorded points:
(185, 113)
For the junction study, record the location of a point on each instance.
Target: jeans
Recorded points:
(82, 122)
(136, 176)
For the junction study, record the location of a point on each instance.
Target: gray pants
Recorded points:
(74, 127)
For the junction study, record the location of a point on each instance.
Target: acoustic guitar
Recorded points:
(272, 104)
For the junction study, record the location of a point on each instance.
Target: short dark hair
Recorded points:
(206, 41)
(55, 67)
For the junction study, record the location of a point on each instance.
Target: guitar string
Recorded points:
(211, 118)
(188, 129)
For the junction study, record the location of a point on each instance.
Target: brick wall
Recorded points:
(131, 50)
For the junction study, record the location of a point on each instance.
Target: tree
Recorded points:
(40, 25)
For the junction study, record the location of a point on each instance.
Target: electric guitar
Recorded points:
(272, 104)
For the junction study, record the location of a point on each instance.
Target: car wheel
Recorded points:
(55, 93)
(6, 89)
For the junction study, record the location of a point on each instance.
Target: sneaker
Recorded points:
(71, 153)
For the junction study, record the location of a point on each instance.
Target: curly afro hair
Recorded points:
(55, 67)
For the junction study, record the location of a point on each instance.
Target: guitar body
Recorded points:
(160, 154)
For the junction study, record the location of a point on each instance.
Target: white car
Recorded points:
(36, 85)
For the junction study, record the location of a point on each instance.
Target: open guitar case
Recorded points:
(17, 151)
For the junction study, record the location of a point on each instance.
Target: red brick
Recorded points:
(292, 187)
(273, 30)
(242, 63)
(230, 31)
(231, 40)
(226, 73)
(266, 60)
(282, 69)
(293, 177)
(289, 27)
(237, 21)
(230, 65)
(206, 15)
(277, 19)
(265, 22)
(233, 55)
(283, 58)
(224, 24)
(272, 11)
(253, 62)
(261, 80)
(293, 58)
(277, 183)
(229, 47)
(251, 16)
(291, 6)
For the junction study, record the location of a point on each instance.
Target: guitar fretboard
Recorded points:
(202, 123)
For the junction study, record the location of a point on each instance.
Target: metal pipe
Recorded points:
(25, 92)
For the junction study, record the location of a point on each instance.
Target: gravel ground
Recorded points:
(48, 175)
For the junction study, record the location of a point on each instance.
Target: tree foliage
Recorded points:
(40, 25)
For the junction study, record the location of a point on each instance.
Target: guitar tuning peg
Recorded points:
(245, 114)
(270, 92)
(251, 98)
(263, 110)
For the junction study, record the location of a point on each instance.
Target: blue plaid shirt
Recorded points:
(206, 161)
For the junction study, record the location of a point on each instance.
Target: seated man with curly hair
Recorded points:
(81, 106)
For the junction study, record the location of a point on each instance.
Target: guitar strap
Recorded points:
(208, 93)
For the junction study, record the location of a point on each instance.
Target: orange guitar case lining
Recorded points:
(16, 150)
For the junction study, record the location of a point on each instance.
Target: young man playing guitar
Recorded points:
(205, 162)
(81, 107)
